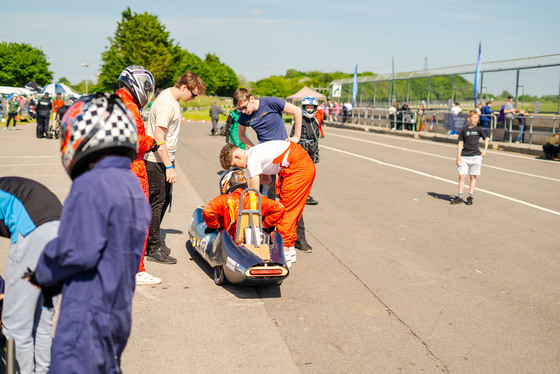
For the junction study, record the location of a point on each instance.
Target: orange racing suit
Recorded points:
(293, 187)
(217, 213)
(145, 143)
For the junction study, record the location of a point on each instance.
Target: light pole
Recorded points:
(86, 65)
(522, 94)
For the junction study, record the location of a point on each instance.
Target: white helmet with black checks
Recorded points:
(140, 82)
(93, 126)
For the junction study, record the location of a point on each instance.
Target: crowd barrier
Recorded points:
(537, 127)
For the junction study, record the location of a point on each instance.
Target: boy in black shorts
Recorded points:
(469, 156)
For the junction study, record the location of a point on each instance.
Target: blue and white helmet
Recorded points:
(140, 82)
(307, 101)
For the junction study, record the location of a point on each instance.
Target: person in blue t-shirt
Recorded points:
(264, 115)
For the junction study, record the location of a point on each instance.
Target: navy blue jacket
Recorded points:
(103, 227)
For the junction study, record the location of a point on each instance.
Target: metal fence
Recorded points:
(442, 123)
(518, 76)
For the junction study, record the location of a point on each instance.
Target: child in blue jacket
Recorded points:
(103, 227)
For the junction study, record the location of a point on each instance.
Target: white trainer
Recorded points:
(288, 257)
(293, 254)
(144, 278)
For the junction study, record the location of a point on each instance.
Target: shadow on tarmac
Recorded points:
(441, 196)
(264, 292)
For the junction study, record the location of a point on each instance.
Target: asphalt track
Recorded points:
(399, 279)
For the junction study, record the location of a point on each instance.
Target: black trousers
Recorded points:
(42, 126)
(160, 198)
(10, 117)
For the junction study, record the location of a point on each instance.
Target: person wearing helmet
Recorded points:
(296, 173)
(310, 142)
(221, 212)
(94, 259)
(136, 88)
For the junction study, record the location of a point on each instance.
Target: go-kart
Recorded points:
(256, 258)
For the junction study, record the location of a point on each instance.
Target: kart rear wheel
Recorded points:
(219, 275)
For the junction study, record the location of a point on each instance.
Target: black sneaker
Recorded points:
(311, 201)
(457, 200)
(469, 200)
(303, 246)
(166, 250)
(160, 256)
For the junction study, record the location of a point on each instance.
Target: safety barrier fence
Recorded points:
(536, 131)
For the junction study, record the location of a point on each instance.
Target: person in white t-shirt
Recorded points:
(296, 173)
(163, 126)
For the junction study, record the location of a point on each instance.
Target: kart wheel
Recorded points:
(219, 275)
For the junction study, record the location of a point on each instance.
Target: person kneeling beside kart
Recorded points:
(221, 212)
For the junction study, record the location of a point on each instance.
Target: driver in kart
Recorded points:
(221, 212)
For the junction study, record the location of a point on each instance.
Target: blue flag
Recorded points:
(355, 86)
(477, 74)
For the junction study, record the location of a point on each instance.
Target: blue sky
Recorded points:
(262, 38)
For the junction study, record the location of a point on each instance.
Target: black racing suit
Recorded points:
(43, 110)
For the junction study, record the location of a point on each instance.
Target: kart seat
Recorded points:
(263, 250)
(250, 223)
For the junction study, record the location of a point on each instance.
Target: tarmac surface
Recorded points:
(399, 280)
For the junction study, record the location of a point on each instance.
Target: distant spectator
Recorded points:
(43, 114)
(320, 116)
(479, 108)
(346, 111)
(57, 104)
(456, 109)
(63, 109)
(214, 113)
(336, 110)
(521, 121)
(509, 113)
(14, 109)
(391, 114)
(485, 116)
(551, 148)
(420, 118)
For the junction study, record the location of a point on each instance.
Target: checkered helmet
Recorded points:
(140, 82)
(232, 179)
(309, 100)
(93, 126)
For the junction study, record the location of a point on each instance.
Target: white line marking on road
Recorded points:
(14, 165)
(18, 157)
(445, 157)
(447, 145)
(441, 179)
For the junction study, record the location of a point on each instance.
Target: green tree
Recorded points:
(65, 81)
(222, 80)
(140, 39)
(21, 63)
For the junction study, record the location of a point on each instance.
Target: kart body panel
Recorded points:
(242, 264)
